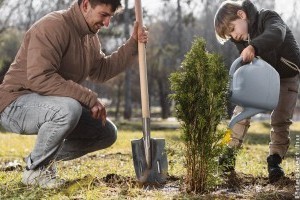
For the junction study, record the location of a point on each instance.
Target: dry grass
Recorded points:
(109, 174)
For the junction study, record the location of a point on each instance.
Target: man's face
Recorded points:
(97, 17)
(239, 27)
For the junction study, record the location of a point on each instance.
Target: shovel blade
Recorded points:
(157, 172)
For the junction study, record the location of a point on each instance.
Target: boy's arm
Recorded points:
(273, 34)
(239, 45)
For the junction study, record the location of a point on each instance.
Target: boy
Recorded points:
(263, 33)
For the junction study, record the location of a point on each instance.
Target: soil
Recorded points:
(236, 186)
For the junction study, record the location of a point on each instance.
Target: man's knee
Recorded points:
(71, 110)
(107, 139)
(112, 135)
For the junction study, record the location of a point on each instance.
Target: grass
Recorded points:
(109, 174)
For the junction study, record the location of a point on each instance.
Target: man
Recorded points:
(41, 92)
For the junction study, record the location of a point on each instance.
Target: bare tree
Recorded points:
(5, 18)
(127, 91)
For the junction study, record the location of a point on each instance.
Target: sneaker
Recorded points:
(45, 177)
(274, 169)
(227, 159)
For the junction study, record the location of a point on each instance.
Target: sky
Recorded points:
(283, 7)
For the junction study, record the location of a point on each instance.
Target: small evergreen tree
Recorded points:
(200, 94)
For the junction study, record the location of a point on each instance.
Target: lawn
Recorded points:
(109, 174)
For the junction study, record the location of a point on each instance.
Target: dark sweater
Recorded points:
(271, 38)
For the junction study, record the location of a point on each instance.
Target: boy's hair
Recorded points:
(226, 13)
(115, 4)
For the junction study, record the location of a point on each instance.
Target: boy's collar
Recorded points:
(251, 12)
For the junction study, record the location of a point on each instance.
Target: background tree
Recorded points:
(173, 26)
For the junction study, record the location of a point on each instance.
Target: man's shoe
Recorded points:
(45, 177)
(227, 159)
(275, 171)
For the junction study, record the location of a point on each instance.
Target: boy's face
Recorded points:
(239, 27)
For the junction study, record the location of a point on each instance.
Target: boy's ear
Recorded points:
(241, 14)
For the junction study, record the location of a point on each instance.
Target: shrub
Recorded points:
(200, 95)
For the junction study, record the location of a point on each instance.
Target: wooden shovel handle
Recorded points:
(142, 63)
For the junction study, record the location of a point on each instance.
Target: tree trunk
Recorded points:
(127, 92)
(119, 96)
(179, 27)
(163, 97)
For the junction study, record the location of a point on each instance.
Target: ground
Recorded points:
(109, 174)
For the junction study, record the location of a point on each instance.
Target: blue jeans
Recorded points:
(65, 130)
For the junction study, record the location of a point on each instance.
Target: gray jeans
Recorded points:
(65, 130)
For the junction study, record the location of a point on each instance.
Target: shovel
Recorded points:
(149, 155)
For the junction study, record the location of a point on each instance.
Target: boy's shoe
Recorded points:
(45, 177)
(227, 159)
(274, 169)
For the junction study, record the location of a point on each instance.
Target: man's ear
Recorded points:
(85, 4)
(241, 14)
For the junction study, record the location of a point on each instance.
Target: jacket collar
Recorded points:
(78, 20)
(252, 14)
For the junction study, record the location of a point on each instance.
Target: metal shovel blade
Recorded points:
(157, 172)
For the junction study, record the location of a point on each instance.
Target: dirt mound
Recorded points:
(240, 180)
(258, 187)
(114, 180)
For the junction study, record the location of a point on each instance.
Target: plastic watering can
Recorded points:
(254, 86)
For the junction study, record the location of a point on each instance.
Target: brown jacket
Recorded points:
(58, 53)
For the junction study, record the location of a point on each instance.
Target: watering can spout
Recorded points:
(246, 113)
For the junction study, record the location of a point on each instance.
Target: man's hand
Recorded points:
(98, 111)
(248, 53)
(140, 35)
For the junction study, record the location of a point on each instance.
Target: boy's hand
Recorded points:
(248, 54)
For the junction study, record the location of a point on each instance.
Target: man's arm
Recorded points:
(43, 62)
(107, 67)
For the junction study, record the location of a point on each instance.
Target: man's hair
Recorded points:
(226, 13)
(115, 4)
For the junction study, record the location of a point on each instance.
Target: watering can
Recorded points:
(254, 86)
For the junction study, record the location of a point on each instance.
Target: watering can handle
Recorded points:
(237, 64)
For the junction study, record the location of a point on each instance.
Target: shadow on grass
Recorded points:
(17, 190)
